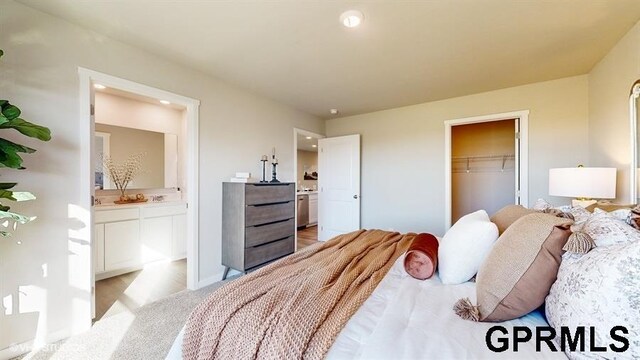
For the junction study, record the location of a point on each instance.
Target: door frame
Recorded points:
(87, 128)
(522, 156)
(296, 132)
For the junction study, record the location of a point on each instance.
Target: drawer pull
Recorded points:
(271, 223)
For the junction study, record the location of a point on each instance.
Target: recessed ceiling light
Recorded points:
(334, 111)
(308, 137)
(314, 145)
(99, 86)
(351, 18)
(165, 102)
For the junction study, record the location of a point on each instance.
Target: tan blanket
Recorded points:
(295, 307)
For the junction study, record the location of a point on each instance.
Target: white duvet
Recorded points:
(405, 318)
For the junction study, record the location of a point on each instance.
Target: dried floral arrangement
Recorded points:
(121, 174)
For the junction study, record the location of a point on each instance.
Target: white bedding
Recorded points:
(405, 318)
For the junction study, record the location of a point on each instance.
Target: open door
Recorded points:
(93, 165)
(339, 186)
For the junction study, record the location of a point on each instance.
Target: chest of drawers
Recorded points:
(258, 224)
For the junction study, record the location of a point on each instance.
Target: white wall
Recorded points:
(121, 111)
(609, 86)
(45, 276)
(403, 148)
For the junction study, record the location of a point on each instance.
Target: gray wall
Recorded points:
(403, 148)
(609, 87)
(47, 275)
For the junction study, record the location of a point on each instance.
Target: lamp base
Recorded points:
(583, 203)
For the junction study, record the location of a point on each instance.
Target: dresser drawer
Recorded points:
(264, 253)
(264, 214)
(256, 235)
(266, 194)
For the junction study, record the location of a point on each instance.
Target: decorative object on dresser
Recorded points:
(274, 165)
(243, 177)
(258, 224)
(264, 160)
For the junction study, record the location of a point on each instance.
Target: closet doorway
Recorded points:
(485, 163)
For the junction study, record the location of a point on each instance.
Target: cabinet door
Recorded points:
(121, 244)
(179, 237)
(157, 234)
(98, 248)
(313, 210)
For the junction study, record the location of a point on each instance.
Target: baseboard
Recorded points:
(25, 347)
(210, 280)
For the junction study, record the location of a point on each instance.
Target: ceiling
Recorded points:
(307, 144)
(297, 52)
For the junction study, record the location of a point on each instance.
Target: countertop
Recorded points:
(306, 192)
(112, 206)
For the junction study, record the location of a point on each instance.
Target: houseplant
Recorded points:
(10, 158)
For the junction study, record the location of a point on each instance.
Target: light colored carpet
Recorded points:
(144, 333)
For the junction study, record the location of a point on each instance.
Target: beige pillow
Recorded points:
(518, 273)
(508, 215)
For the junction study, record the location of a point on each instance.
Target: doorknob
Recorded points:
(355, 196)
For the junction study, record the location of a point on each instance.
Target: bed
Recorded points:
(405, 318)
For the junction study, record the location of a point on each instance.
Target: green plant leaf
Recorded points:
(16, 195)
(9, 154)
(11, 111)
(3, 119)
(4, 208)
(27, 128)
(19, 218)
(1, 52)
(3, 103)
(7, 186)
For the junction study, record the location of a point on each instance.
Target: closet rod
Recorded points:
(483, 157)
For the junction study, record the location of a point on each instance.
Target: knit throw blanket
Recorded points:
(293, 308)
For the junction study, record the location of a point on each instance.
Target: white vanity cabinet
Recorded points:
(313, 209)
(129, 236)
(164, 232)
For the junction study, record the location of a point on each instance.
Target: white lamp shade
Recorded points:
(583, 182)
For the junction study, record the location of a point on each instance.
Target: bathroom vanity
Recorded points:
(129, 236)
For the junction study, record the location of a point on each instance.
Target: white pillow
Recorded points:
(600, 289)
(465, 246)
(605, 229)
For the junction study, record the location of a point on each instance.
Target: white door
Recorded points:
(92, 178)
(339, 185)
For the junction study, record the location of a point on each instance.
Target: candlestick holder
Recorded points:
(273, 174)
(264, 165)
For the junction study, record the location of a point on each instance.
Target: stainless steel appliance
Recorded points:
(303, 210)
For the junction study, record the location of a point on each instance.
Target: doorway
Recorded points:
(485, 163)
(130, 223)
(307, 194)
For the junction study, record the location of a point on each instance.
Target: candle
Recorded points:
(273, 154)
(264, 158)
(275, 161)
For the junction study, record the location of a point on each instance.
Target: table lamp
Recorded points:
(583, 183)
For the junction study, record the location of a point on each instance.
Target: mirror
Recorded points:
(635, 149)
(159, 162)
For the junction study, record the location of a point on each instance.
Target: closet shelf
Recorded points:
(483, 157)
(464, 163)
